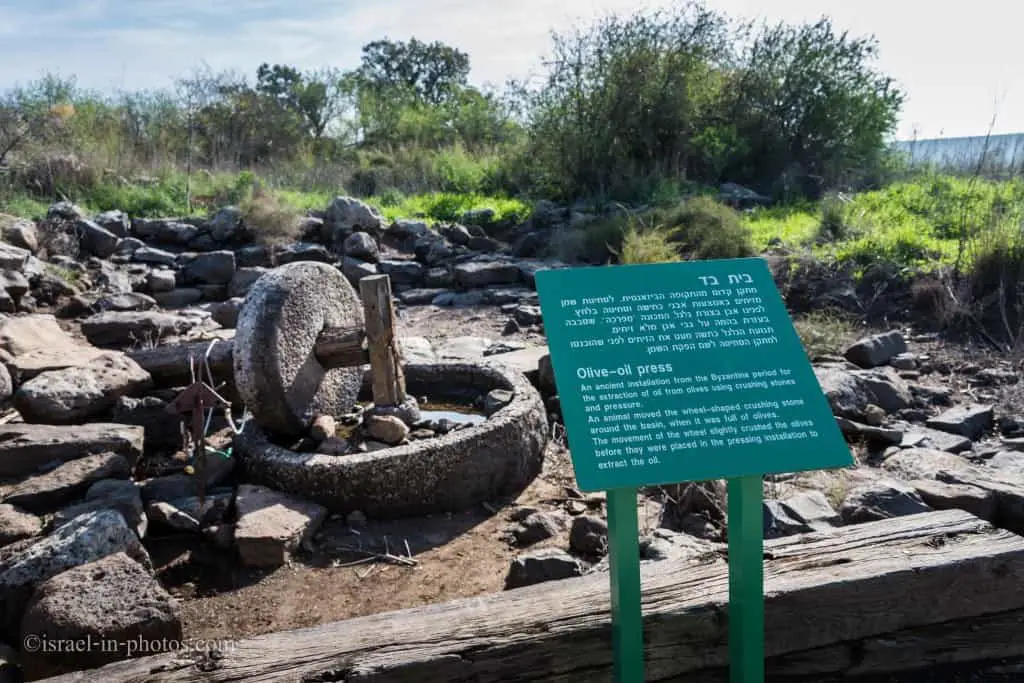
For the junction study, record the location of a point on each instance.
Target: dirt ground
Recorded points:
(455, 556)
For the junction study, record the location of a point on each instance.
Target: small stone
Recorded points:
(211, 268)
(1010, 425)
(855, 431)
(333, 445)
(923, 437)
(96, 240)
(904, 361)
(873, 415)
(324, 426)
(589, 535)
(169, 516)
(527, 315)
(538, 527)
(967, 421)
(114, 601)
(654, 549)
(362, 246)
(496, 400)
(121, 495)
(46, 492)
(272, 525)
(74, 394)
(700, 526)
(811, 507)
(575, 507)
(16, 524)
(538, 566)
(777, 522)
(879, 500)
(943, 496)
(161, 281)
(876, 350)
(386, 428)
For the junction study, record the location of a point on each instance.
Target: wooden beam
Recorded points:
(385, 359)
(169, 365)
(904, 576)
(341, 347)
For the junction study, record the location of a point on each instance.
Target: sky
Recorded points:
(959, 68)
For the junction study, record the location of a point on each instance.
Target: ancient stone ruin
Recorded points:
(380, 395)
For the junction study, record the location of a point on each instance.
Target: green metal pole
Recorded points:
(624, 565)
(746, 581)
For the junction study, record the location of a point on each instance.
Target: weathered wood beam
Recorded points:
(169, 365)
(341, 347)
(385, 359)
(855, 584)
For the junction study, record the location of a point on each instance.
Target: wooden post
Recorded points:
(385, 360)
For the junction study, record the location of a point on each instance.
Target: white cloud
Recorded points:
(954, 65)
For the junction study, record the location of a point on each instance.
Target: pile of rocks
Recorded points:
(120, 264)
(918, 447)
(77, 506)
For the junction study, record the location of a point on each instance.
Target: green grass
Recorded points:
(920, 223)
(792, 225)
(448, 206)
(167, 195)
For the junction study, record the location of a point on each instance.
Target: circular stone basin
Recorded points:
(449, 473)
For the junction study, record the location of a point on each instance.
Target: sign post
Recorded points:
(684, 372)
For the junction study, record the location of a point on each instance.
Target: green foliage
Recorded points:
(703, 228)
(643, 107)
(836, 223)
(698, 228)
(811, 106)
(657, 95)
(647, 246)
(448, 207)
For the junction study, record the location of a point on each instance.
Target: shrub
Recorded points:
(653, 245)
(706, 229)
(835, 222)
(269, 218)
(995, 285)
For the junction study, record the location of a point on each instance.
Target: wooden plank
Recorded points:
(989, 637)
(341, 347)
(822, 590)
(169, 365)
(385, 357)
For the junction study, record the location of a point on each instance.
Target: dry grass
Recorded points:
(824, 333)
(647, 246)
(270, 220)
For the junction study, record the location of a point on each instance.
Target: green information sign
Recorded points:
(683, 372)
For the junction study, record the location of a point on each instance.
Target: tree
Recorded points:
(812, 106)
(624, 99)
(429, 72)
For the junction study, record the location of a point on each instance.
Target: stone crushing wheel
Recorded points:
(299, 346)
